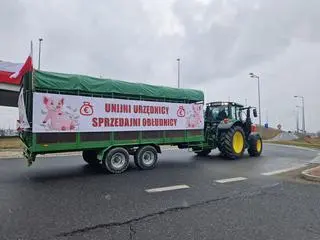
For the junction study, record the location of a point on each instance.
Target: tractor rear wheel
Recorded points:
(232, 142)
(255, 147)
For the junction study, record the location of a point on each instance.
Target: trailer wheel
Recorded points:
(90, 157)
(146, 157)
(116, 160)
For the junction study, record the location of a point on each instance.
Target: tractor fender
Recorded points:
(228, 125)
(254, 135)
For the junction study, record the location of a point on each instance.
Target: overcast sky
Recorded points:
(219, 43)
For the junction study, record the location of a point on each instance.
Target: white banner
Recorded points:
(69, 113)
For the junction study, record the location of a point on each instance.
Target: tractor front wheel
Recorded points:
(232, 142)
(255, 147)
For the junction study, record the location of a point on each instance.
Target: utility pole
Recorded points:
(303, 116)
(297, 118)
(178, 60)
(259, 96)
(40, 41)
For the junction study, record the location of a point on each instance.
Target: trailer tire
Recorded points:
(90, 157)
(146, 157)
(232, 142)
(116, 160)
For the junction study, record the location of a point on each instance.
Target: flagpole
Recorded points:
(40, 40)
(31, 49)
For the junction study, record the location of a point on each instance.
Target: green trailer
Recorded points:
(109, 120)
(108, 145)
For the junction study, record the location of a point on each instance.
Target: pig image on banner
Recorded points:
(56, 116)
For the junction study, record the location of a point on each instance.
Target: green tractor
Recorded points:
(228, 127)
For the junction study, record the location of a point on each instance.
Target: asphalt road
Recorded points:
(63, 198)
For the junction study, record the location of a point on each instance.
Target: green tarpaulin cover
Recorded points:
(70, 82)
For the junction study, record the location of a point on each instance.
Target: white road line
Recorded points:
(227, 180)
(283, 170)
(170, 188)
(292, 146)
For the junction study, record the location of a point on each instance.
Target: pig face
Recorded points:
(53, 104)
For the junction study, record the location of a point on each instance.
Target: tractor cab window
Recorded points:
(233, 111)
(219, 113)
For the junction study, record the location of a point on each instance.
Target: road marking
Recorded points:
(227, 180)
(292, 146)
(170, 188)
(283, 170)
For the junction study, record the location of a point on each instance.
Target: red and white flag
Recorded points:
(26, 67)
(6, 70)
(12, 73)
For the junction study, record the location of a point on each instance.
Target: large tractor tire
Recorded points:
(232, 142)
(255, 146)
(90, 157)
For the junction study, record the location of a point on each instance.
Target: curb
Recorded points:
(308, 176)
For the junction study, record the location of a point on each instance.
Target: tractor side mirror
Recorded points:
(255, 114)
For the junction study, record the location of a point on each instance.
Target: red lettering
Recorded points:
(107, 107)
(100, 122)
(175, 122)
(94, 122)
(133, 122)
(121, 122)
(113, 107)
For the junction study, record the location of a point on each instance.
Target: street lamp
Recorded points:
(297, 118)
(40, 40)
(257, 77)
(178, 60)
(303, 116)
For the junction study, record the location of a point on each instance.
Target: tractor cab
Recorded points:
(221, 111)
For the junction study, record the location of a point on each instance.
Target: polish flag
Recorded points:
(7, 69)
(26, 67)
(12, 73)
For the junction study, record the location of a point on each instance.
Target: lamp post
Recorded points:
(40, 40)
(303, 116)
(252, 75)
(178, 61)
(297, 120)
